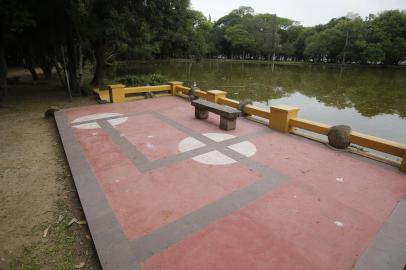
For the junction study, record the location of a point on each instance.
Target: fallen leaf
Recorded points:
(60, 218)
(46, 231)
(81, 222)
(80, 265)
(73, 220)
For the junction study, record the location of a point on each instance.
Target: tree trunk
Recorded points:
(65, 69)
(59, 72)
(31, 67)
(46, 66)
(273, 61)
(3, 71)
(98, 77)
(47, 70)
(72, 61)
(71, 67)
(345, 49)
(81, 65)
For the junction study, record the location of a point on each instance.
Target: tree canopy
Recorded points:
(66, 34)
(376, 39)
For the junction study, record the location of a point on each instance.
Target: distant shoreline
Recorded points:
(265, 62)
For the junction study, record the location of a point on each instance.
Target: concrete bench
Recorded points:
(228, 115)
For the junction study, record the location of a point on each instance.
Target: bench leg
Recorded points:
(201, 114)
(227, 124)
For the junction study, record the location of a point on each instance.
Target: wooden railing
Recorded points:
(282, 117)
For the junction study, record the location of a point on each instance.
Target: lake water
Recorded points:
(370, 100)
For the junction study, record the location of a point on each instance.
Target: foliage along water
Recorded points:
(369, 99)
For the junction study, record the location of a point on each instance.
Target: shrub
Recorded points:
(141, 80)
(87, 89)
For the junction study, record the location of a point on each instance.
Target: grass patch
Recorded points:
(63, 248)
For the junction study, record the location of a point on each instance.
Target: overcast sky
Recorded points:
(308, 12)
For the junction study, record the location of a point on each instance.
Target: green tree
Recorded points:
(15, 17)
(389, 28)
(325, 46)
(239, 39)
(373, 53)
(199, 35)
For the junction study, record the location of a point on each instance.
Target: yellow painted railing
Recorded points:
(309, 125)
(121, 93)
(282, 117)
(358, 138)
(143, 89)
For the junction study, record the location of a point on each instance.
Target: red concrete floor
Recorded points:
(277, 202)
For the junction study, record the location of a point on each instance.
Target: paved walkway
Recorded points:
(162, 190)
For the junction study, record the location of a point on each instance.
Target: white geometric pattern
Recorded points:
(94, 125)
(215, 157)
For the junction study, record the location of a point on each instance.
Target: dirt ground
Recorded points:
(37, 192)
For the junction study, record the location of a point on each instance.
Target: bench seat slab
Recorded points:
(221, 110)
(228, 115)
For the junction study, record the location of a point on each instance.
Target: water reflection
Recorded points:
(371, 100)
